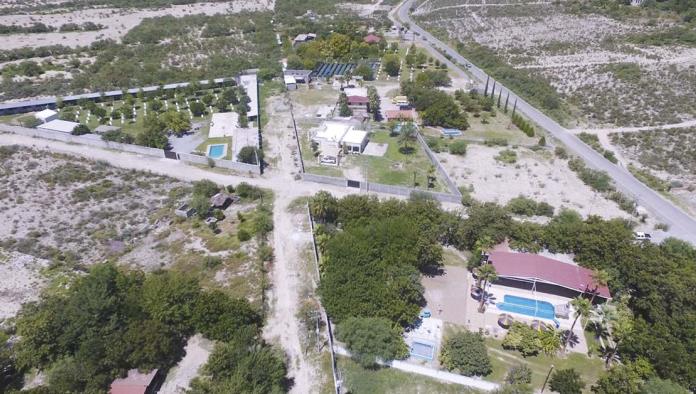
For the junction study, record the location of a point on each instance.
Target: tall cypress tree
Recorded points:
(506, 101)
(485, 91)
(499, 96)
(514, 108)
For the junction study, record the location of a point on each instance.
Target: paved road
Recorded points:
(680, 223)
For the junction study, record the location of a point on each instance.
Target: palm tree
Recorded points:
(407, 135)
(610, 354)
(485, 274)
(323, 206)
(600, 278)
(582, 308)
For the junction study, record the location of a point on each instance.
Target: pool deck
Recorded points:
(449, 300)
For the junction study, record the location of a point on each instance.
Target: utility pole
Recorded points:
(547, 379)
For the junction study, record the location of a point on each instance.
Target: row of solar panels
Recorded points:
(327, 70)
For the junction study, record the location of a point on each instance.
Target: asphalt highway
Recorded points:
(681, 225)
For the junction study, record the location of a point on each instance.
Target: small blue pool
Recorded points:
(527, 306)
(422, 350)
(217, 151)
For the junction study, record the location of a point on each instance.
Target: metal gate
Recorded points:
(170, 154)
(352, 183)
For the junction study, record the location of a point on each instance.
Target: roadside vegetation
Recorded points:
(370, 242)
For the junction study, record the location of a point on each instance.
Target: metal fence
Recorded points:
(441, 170)
(381, 188)
(89, 139)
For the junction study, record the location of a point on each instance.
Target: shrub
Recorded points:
(249, 155)
(81, 129)
(523, 125)
(531, 342)
(507, 156)
(496, 142)
(371, 338)
(465, 352)
(205, 188)
(519, 374)
(243, 235)
(458, 147)
(566, 381)
(245, 190)
(560, 152)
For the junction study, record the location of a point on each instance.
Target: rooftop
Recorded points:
(46, 113)
(362, 92)
(533, 267)
(134, 383)
(354, 137)
(358, 100)
(372, 39)
(250, 84)
(59, 125)
(333, 131)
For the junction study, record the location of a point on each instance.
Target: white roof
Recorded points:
(45, 114)
(289, 79)
(223, 124)
(59, 125)
(354, 137)
(362, 92)
(250, 84)
(305, 37)
(333, 131)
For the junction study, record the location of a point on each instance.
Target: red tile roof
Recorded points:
(134, 383)
(543, 269)
(398, 114)
(358, 100)
(372, 39)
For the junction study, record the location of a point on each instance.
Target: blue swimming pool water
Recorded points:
(527, 306)
(216, 151)
(423, 350)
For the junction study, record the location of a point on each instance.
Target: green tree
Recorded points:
(250, 155)
(153, 135)
(458, 147)
(581, 308)
(81, 129)
(324, 207)
(566, 381)
(391, 64)
(177, 122)
(219, 317)
(197, 108)
(364, 71)
(370, 339)
(659, 386)
(343, 108)
(375, 101)
(485, 274)
(465, 352)
(169, 298)
(206, 188)
(407, 135)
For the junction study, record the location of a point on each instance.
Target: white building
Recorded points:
(334, 138)
(46, 115)
(290, 82)
(250, 83)
(59, 125)
(302, 38)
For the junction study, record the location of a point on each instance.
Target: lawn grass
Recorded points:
(502, 360)
(267, 90)
(451, 258)
(358, 380)
(395, 167)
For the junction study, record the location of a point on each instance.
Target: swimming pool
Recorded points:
(217, 151)
(422, 350)
(527, 306)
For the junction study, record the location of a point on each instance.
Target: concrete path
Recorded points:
(432, 373)
(681, 225)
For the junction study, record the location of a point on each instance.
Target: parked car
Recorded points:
(641, 236)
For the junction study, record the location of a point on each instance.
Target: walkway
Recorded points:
(432, 373)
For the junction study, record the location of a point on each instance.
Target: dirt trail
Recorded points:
(282, 323)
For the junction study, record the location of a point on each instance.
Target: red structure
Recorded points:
(544, 274)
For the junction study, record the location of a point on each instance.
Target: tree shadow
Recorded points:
(407, 150)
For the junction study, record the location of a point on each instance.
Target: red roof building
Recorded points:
(399, 114)
(135, 383)
(547, 275)
(358, 100)
(372, 39)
